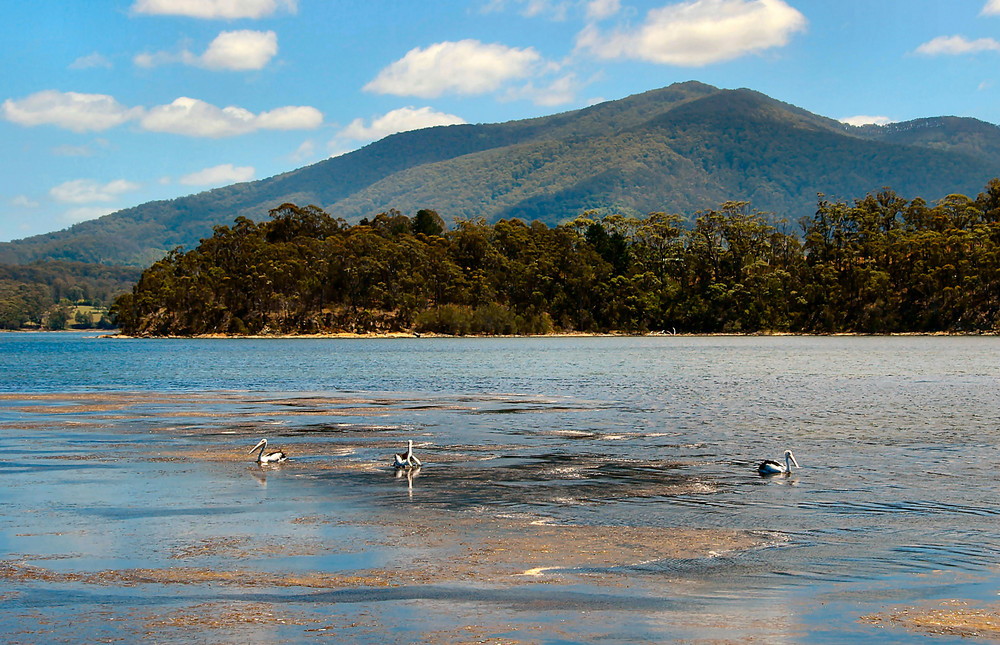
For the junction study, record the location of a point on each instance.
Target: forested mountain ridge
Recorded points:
(680, 149)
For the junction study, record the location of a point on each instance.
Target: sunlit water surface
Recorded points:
(896, 503)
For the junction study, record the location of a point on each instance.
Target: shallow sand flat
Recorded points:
(962, 618)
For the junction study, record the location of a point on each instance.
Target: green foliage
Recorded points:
(878, 264)
(30, 295)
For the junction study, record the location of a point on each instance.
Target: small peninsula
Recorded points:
(878, 264)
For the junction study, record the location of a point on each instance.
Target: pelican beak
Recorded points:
(795, 462)
(259, 444)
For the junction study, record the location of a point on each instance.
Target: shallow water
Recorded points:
(617, 473)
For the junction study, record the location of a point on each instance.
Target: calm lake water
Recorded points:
(129, 507)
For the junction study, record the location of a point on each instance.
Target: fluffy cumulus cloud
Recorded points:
(992, 8)
(231, 50)
(401, 120)
(88, 191)
(69, 110)
(214, 9)
(702, 32)
(957, 45)
(240, 50)
(864, 119)
(218, 175)
(195, 118)
(463, 67)
(187, 116)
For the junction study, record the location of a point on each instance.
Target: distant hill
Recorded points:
(679, 149)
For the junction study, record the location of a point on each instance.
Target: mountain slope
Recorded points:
(682, 148)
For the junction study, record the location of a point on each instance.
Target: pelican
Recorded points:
(270, 458)
(406, 459)
(772, 467)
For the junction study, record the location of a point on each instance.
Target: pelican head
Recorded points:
(790, 457)
(260, 444)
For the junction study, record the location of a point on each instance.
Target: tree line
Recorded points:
(57, 295)
(878, 264)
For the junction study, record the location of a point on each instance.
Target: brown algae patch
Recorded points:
(217, 615)
(950, 618)
(26, 573)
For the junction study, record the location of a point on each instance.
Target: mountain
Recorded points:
(679, 149)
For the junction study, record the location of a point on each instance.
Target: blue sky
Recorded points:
(107, 104)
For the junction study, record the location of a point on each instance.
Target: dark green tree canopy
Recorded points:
(877, 264)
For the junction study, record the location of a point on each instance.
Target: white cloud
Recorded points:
(956, 46)
(88, 191)
(992, 8)
(70, 110)
(304, 152)
(559, 92)
(23, 201)
(240, 50)
(401, 120)
(195, 118)
(231, 50)
(702, 32)
(187, 116)
(463, 67)
(556, 9)
(601, 9)
(218, 175)
(213, 9)
(863, 119)
(91, 61)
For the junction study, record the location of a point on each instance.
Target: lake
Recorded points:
(572, 490)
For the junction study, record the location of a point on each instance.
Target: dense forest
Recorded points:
(878, 264)
(61, 295)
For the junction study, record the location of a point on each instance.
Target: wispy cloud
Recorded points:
(84, 213)
(88, 191)
(992, 8)
(602, 9)
(693, 34)
(218, 175)
(91, 61)
(230, 51)
(462, 67)
(957, 46)
(560, 91)
(552, 9)
(23, 201)
(214, 9)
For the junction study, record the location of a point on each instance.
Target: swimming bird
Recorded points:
(270, 458)
(406, 459)
(772, 467)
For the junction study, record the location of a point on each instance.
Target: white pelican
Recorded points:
(406, 459)
(772, 467)
(270, 458)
